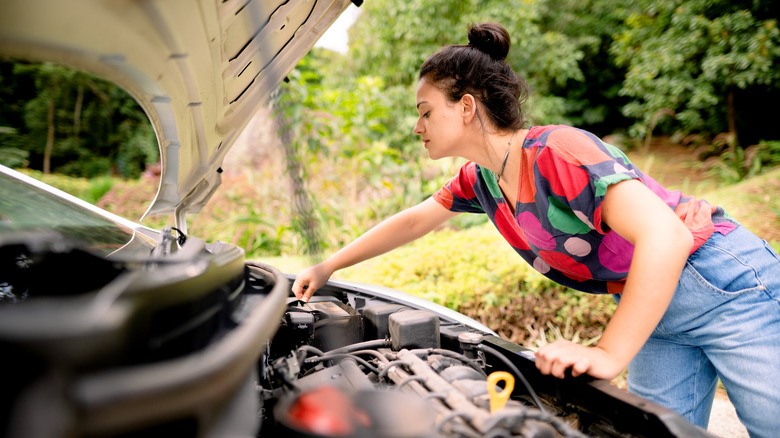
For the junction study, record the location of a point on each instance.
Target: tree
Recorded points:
(71, 122)
(592, 101)
(393, 39)
(49, 81)
(688, 58)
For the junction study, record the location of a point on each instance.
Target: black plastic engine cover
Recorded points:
(414, 329)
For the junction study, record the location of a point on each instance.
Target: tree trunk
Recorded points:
(732, 115)
(77, 111)
(49, 137)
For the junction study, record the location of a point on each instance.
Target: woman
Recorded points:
(698, 295)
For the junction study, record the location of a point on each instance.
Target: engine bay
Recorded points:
(334, 371)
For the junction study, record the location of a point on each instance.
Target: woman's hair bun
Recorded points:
(490, 38)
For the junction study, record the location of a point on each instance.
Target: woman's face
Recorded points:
(440, 122)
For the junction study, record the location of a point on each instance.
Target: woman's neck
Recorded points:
(490, 150)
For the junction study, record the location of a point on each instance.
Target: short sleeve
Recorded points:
(578, 167)
(458, 194)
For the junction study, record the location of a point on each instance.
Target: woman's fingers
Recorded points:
(580, 367)
(561, 355)
(302, 288)
(309, 281)
(308, 291)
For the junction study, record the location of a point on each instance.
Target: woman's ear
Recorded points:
(468, 107)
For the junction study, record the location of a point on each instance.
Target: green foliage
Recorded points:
(11, 153)
(734, 164)
(451, 268)
(90, 190)
(354, 154)
(251, 231)
(754, 203)
(395, 38)
(13, 157)
(768, 153)
(97, 188)
(591, 101)
(688, 57)
(71, 122)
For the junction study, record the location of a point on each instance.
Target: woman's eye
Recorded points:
(427, 114)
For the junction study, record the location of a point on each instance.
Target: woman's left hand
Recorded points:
(557, 357)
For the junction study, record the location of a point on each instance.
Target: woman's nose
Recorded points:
(418, 128)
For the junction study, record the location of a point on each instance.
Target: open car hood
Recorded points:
(199, 68)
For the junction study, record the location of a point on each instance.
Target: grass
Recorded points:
(90, 190)
(289, 264)
(754, 203)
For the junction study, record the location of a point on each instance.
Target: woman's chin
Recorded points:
(434, 155)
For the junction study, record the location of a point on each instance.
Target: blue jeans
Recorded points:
(724, 321)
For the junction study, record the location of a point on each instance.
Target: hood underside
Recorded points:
(199, 68)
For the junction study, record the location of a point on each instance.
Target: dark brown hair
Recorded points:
(479, 68)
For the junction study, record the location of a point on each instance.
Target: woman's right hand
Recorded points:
(309, 280)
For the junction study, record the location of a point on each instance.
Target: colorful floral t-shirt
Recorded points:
(557, 226)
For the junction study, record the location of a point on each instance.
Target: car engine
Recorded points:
(320, 377)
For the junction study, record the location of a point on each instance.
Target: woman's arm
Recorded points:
(391, 233)
(662, 244)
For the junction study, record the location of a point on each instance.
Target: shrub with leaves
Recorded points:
(90, 190)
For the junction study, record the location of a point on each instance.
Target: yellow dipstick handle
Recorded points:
(498, 399)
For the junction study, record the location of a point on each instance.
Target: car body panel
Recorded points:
(200, 69)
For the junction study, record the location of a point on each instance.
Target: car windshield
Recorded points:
(26, 209)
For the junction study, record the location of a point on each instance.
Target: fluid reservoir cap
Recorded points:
(470, 338)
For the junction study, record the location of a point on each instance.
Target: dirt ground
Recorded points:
(723, 419)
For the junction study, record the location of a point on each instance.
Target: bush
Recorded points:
(13, 157)
(90, 190)
(475, 272)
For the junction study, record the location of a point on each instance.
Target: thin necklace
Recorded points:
(506, 155)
